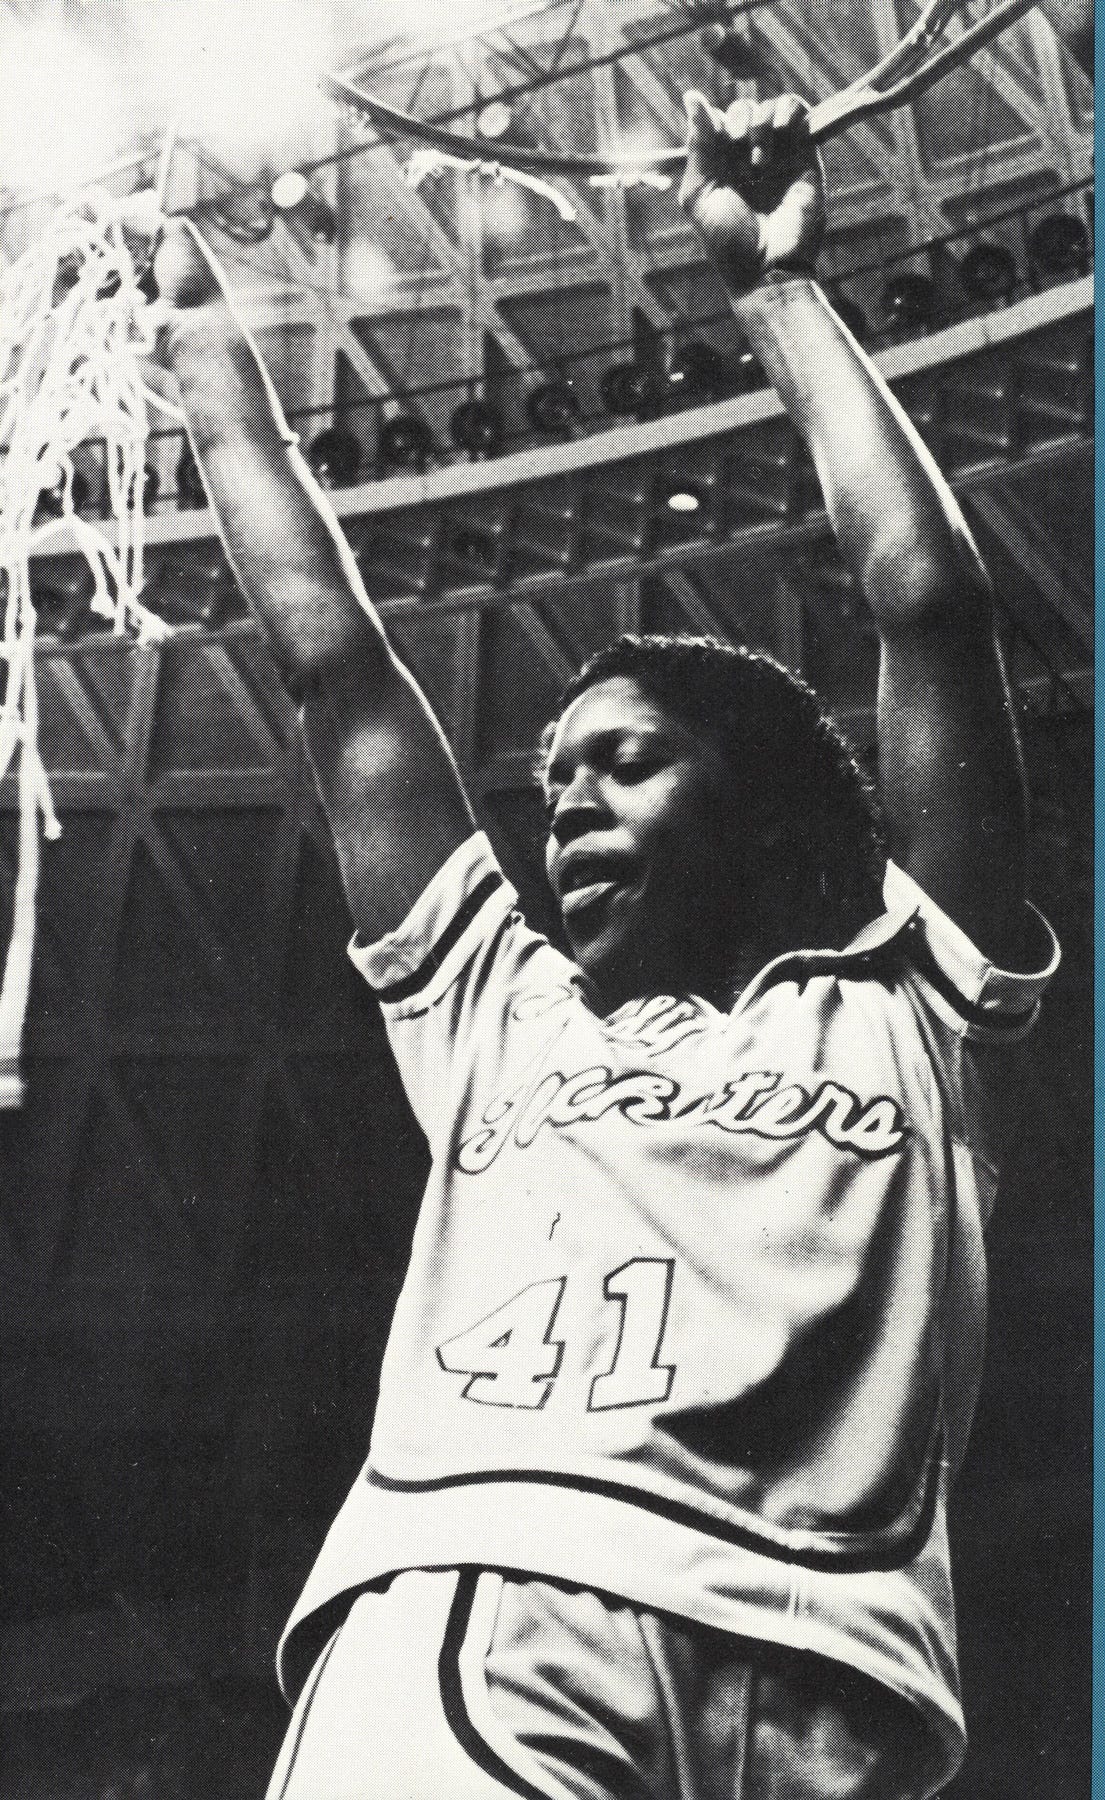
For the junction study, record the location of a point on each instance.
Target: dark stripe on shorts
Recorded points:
(893, 1553)
(307, 1705)
(454, 931)
(452, 1694)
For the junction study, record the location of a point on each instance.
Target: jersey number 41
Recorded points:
(512, 1357)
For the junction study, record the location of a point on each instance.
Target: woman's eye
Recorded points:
(635, 768)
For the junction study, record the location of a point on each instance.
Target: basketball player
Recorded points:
(690, 1339)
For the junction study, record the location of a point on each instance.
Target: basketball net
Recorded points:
(74, 328)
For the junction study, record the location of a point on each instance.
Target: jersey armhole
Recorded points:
(966, 990)
(465, 903)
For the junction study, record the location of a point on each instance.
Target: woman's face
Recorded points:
(638, 841)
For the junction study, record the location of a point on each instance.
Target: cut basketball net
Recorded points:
(74, 328)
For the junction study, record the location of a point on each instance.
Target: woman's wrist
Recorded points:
(198, 335)
(776, 285)
(773, 275)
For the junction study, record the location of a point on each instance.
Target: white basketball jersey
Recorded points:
(695, 1305)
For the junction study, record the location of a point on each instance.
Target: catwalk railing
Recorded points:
(966, 273)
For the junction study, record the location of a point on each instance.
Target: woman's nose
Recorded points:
(580, 804)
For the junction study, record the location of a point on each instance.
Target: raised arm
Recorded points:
(950, 772)
(387, 779)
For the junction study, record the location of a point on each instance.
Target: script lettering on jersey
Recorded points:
(656, 1024)
(757, 1103)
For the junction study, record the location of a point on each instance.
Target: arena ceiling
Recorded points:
(370, 284)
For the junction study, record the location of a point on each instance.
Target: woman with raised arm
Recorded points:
(687, 1351)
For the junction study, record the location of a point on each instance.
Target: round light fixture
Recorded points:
(493, 120)
(909, 300)
(477, 427)
(852, 315)
(405, 441)
(51, 501)
(289, 190)
(989, 272)
(553, 408)
(628, 391)
(335, 457)
(1060, 245)
(698, 372)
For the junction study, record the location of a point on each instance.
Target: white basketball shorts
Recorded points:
(475, 1685)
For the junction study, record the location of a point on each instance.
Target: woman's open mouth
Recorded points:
(578, 900)
(587, 881)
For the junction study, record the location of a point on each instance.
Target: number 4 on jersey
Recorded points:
(511, 1357)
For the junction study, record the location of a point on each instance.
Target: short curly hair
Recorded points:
(808, 841)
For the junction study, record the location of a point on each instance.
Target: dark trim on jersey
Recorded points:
(452, 1693)
(454, 931)
(920, 955)
(877, 1559)
(320, 1670)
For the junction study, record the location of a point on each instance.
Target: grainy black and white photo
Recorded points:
(546, 875)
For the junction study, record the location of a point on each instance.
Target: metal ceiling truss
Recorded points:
(892, 186)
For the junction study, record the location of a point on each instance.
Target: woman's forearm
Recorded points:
(288, 555)
(896, 521)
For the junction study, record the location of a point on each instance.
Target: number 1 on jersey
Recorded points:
(636, 1377)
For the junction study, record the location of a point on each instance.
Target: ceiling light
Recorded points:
(405, 441)
(289, 190)
(493, 120)
(629, 391)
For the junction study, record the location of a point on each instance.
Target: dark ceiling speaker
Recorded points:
(195, 588)
(733, 51)
(51, 501)
(553, 408)
(628, 391)
(852, 315)
(698, 372)
(989, 272)
(61, 602)
(335, 457)
(477, 426)
(909, 301)
(1060, 245)
(190, 490)
(405, 441)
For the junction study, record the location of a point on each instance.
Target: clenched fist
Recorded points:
(754, 187)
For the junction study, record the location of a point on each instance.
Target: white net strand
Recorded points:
(428, 162)
(74, 328)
